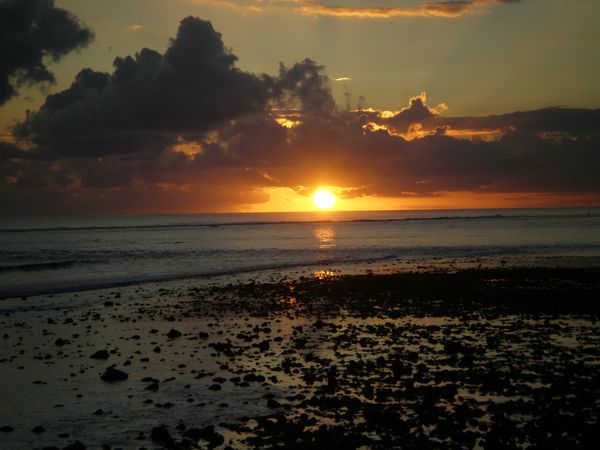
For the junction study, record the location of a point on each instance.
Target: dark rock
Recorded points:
(112, 375)
(152, 387)
(38, 429)
(173, 334)
(75, 446)
(271, 403)
(208, 434)
(6, 429)
(161, 435)
(100, 354)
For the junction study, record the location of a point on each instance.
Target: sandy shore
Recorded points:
(479, 358)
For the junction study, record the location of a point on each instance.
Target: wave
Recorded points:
(32, 267)
(80, 286)
(308, 221)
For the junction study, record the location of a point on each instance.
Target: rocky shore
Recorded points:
(494, 358)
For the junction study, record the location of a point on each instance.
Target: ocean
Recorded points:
(54, 255)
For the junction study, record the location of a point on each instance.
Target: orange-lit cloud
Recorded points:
(427, 9)
(135, 28)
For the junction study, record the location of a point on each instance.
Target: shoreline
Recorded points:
(468, 357)
(381, 265)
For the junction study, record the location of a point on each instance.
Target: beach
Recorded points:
(299, 224)
(469, 358)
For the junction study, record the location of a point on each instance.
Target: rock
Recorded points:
(60, 342)
(161, 435)
(173, 334)
(98, 412)
(208, 434)
(100, 354)
(152, 387)
(273, 403)
(215, 387)
(75, 446)
(38, 429)
(6, 429)
(111, 375)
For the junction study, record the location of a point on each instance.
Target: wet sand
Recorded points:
(493, 358)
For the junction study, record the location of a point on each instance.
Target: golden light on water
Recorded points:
(323, 199)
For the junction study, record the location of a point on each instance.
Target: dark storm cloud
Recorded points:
(149, 98)
(8, 151)
(547, 119)
(307, 84)
(32, 31)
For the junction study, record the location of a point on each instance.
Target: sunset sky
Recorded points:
(182, 106)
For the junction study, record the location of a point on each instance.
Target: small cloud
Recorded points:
(343, 79)
(442, 107)
(134, 28)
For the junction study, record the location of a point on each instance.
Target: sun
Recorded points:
(323, 199)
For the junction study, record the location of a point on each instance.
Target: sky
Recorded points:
(185, 106)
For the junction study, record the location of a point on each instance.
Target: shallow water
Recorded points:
(44, 255)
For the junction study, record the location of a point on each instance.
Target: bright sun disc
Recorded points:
(323, 199)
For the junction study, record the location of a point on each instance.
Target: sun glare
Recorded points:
(323, 199)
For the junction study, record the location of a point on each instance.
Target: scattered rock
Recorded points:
(161, 435)
(111, 375)
(75, 446)
(173, 334)
(100, 354)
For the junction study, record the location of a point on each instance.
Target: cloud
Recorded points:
(427, 9)
(304, 85)
(135, 28)
(188, 131)
(31, 33)
(149, 99)
(440, 9)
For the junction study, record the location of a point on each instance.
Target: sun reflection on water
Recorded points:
(325, 237)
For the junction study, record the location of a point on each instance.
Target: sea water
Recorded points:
(51, 255)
